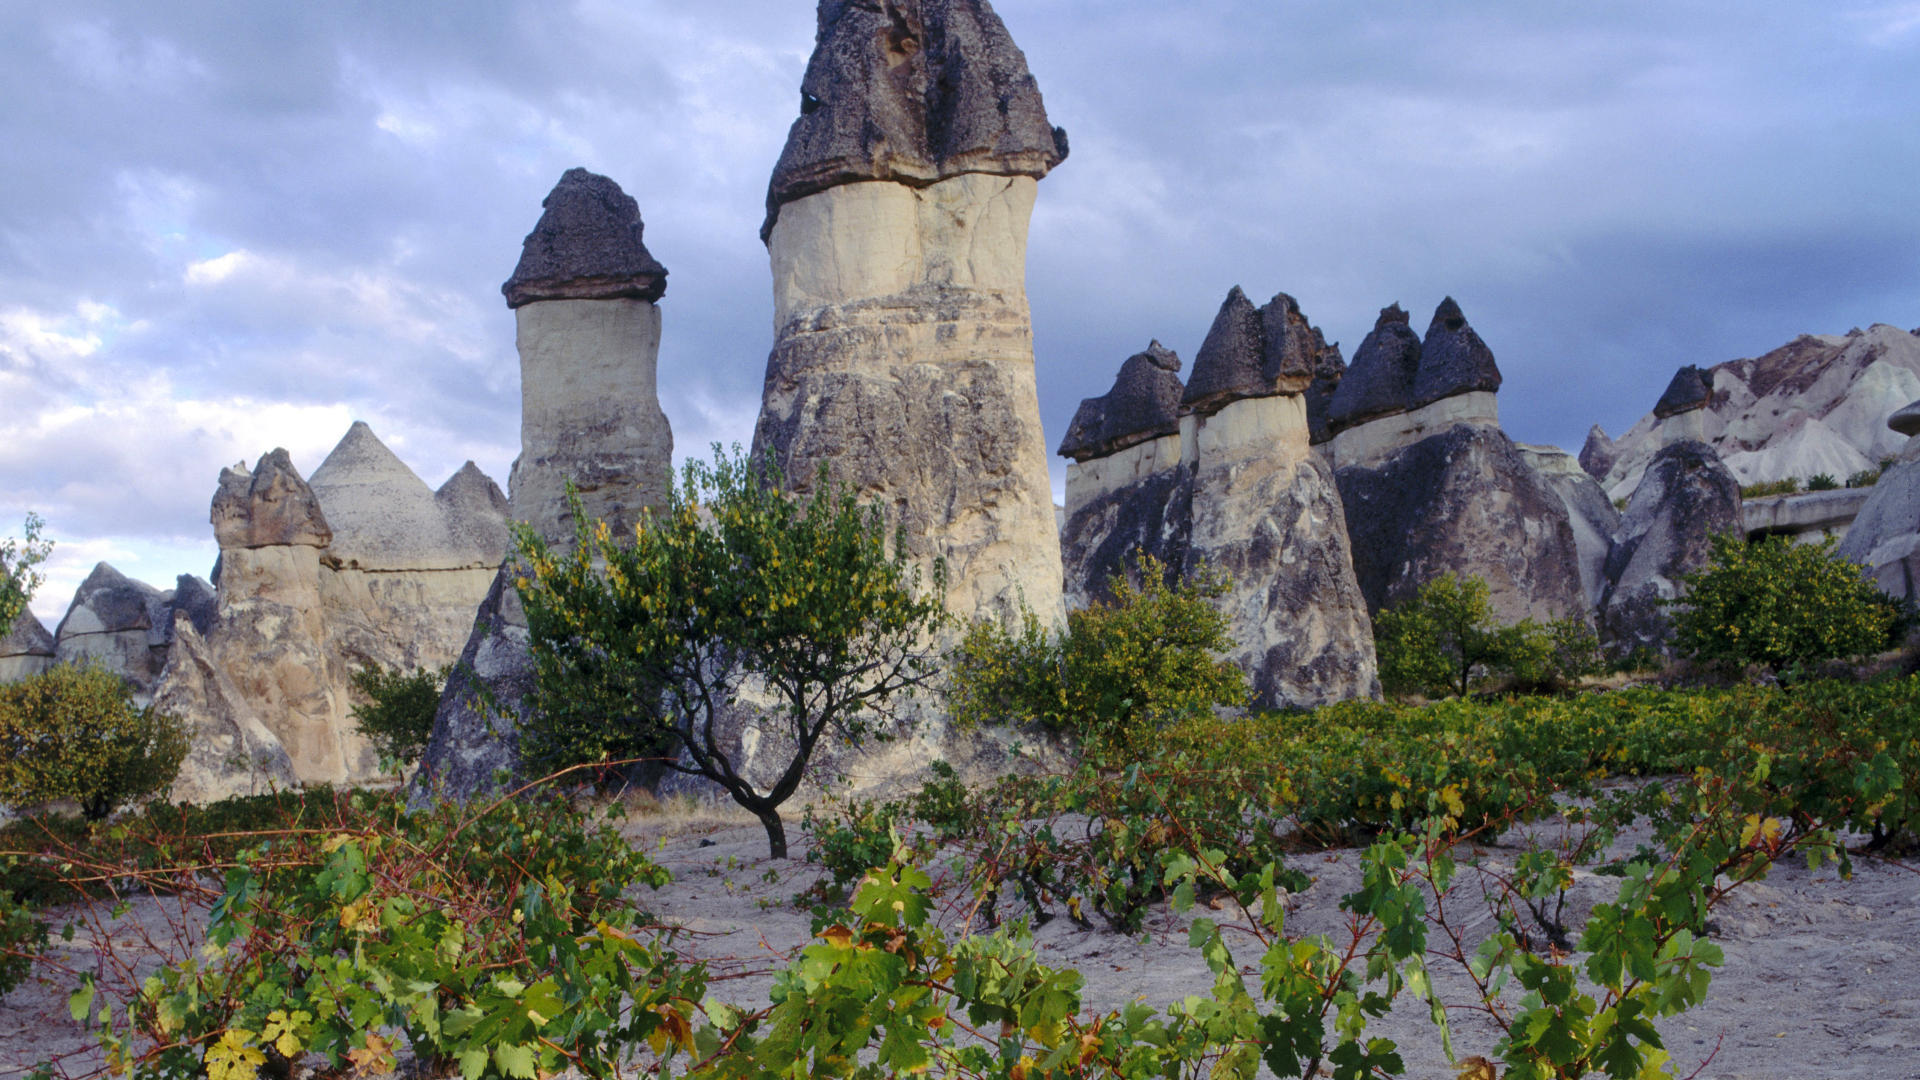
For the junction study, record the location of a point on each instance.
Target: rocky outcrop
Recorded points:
(26, 650)
(1453, 359)
(588, 333)
(1144, 404)
(1380, 381)
(1589, 511)
(590, 414)
(1686, 497)
(363, 565)
(903, 354)
(118, 624)
(1885, 534)
(231, 751)
(1815, 405)
(1236, 488)
(1464, 502)
(912, 92)
(1597, 454)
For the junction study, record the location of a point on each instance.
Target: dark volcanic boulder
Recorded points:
(1464, 502)
(1453, 359)
(586, 246)
(1254, 352)
(1380, 380)
(1686, 496)
(1143, 404)
(1690, 389)
(912, 91)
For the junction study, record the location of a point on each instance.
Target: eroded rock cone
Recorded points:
(1453, 359)
(27, 649)
(1143, 404)
(119, 624)
(1380, 380)
(586, 246)
(897, 232)
(1597, 453)
(1689, 389)
(1684, 499)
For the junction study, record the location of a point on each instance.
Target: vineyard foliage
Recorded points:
(507, 941)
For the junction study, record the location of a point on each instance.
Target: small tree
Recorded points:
(1444, 640)
(731, 595)
(1781, 604)
(397, 717)
(18, 578)
(1117, 673)
(74, 733)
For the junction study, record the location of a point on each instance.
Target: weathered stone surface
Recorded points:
(1885, 534)
(586, 246)
(384, 517)
(1143, 404)
(1463, 501)
(1818, 404)
(476, 729)
(589, 414)
(1597, 453)
(1690, 389)
(1107, 525)
(913, 92)
(267, 507)
(477, 514)
(1453, 359)
(231, 752)
(1905, 420)
(27, 649)
(1328, 373)
(1380, 380)
(1805, 517)
(1371, 442)
(1254, 352)
(1589, 511)
(1265, 510)
(903, 358)
(116, 623)
(1686, 496)
(197, 600)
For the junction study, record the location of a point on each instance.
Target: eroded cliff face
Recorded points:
(1885, 534)
(1684, 498)
(897, 232)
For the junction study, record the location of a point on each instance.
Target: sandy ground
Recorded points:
(1822, 976)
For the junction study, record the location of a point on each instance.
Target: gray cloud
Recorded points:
(228, 226)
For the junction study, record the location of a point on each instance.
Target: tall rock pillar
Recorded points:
(897, 229)
(589, 337)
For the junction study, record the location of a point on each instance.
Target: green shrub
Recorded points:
(74, 733)
(1822, 482)
(398, 715)
(1117, 673)
(1863, 478)
(18, 578)
(1444, 641)
(641, 648)
(22, 936)
(1781, 604)
(1771, 487)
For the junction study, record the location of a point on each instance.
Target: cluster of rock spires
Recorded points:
(896, 230)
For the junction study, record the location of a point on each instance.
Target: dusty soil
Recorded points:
(1822, 976)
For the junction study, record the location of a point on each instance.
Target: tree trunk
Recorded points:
(776, 832)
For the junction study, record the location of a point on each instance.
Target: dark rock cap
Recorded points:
(196, 599)
(267, 507)
(1380, 382)
(1690, 389)
(913, 91)
(1329, 371)
(1598, 454)
(1254, 352)
(1906, 420)
(1143, 404)
(1453, 359)
(114, 601)
(586, 247)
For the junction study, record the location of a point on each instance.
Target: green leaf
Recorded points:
(517, 1061)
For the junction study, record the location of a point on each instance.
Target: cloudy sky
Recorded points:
(228, 227)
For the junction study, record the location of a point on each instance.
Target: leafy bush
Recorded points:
(74, 733)
(1822, 482)
(500, 944)
(18, 578)
(1781, 604)
(1115, 674)
(1444, 641)
(640, 649)
(22, 935)
(1770, 487)
(1863, 478)
(398, 715)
